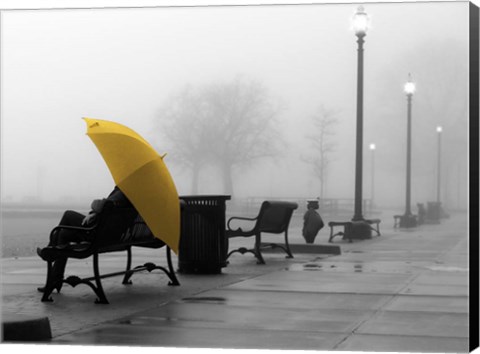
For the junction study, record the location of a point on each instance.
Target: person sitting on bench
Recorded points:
(73, 218)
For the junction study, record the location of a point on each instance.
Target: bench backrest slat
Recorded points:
(274, 216)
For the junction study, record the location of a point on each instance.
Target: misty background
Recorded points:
(157, 69)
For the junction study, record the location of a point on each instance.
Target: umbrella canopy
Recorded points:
(140, 173)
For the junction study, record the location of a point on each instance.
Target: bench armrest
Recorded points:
(78, 228)
(239, 230)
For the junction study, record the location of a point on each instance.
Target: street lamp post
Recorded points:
(372, 149)
(439, 133)
(360, 229)
(409, 220)
(360, 26)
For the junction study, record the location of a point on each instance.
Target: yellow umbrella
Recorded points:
(141, 175)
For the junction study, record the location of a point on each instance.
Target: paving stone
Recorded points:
(394, 343)
(321, 282)
(217, 317)
(455, 304)
(148, 335)
(435, 289)
(282, 299)
(417, 323)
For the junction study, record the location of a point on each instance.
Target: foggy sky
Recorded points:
(122, 64)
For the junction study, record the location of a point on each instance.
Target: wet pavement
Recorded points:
(405, 291)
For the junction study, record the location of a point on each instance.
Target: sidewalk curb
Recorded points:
(22, 328)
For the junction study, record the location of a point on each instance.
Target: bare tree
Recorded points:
(245, 127)
(228, 124)
(322, 144)
(186, 126)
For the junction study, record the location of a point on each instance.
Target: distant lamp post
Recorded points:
(439, 159)
(372, 202)
(360, 25)
(409, 220)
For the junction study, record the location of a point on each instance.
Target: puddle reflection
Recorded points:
(210, 299)
(312, 266)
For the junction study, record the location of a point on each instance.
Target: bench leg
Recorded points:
(171, 272)
(242, 250)
(97, 288)
(285, 247)
(331, 235)
(102, 299)
(49, 285)
(289, 252)
(340, 233)
(128, 273)
(256, 251)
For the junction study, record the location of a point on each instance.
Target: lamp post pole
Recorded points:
(359, 228)
(408, 220)
(439, 159)
(372, 149)
(360, 23)
(409, 155)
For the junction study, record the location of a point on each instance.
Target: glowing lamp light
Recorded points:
(439, 129)
(409, 87)
(360, 22)
(372, 147)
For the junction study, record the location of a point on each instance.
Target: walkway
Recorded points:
(403, 291)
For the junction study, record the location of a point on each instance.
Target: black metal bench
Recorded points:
(373, 223)
(274, 217)
(117, 229)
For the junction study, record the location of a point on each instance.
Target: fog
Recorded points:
(58, 66)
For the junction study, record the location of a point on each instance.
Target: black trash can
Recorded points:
(203, 247)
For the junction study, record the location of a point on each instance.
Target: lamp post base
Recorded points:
(358, 230)
(408, 220)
